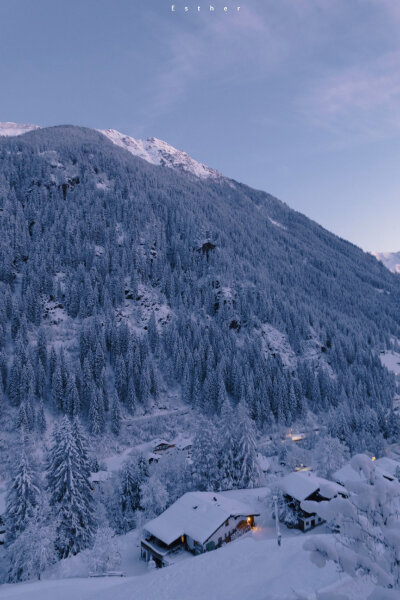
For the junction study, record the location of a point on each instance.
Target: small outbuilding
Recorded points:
(197, 522)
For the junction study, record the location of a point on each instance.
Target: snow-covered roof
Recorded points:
(300, 485)
(387, 465)
(196, 514)
(161, 442)
(347, 473)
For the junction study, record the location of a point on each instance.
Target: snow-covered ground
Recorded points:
(251, 568)
(391, 360)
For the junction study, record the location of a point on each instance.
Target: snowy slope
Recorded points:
(391, 260)
(10, 129)
(249, 568)
(157, 152)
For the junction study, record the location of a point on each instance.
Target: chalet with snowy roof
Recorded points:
(304, 485)
(197, 522)
(162, 446)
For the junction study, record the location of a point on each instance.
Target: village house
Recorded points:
(304, 485)
(197, 522)
(162, 446)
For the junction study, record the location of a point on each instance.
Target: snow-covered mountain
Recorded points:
(11, 129)
(281, 293)
(158, 152)
(137, 298)
(152, 150)
(391, 260)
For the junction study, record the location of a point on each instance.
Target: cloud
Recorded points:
(213, 49)
(360, 102)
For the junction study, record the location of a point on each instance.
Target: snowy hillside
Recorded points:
(391, 260)
(253, 569)
(158, 152)
(11, 129)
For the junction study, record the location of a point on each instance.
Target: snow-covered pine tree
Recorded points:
(115, 415)
(1, 398)
(152, 332)
(41, 419)
(154, 497)
(247, 468)
(132, 477)
(32, 551)
(23, 497)
(69, 490)
(227, 446)
(131, 399)
(105, 555)
(205, 456)
(328, 455)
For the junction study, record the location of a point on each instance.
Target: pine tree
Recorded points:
(132, 477)
(57, 389)
(228, 446)
(131, 399)
(72, 398)
(41, 419)
(69, 489)
(96, 416)
(115, 416)
(23, 497)
(205, 456)
(152, 332)
(1, 398)
(247, 468)
(42, 348)
(32, 551)
(154, 497)
(22, 422)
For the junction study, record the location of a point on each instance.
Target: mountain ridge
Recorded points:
(152, 150)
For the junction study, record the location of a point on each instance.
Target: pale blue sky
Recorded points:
(300, 98)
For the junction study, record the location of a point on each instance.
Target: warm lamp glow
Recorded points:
(373, 458)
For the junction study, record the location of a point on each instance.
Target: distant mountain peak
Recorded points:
(391, 260)
(158, 152)
(10, 129)
(152, 150)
